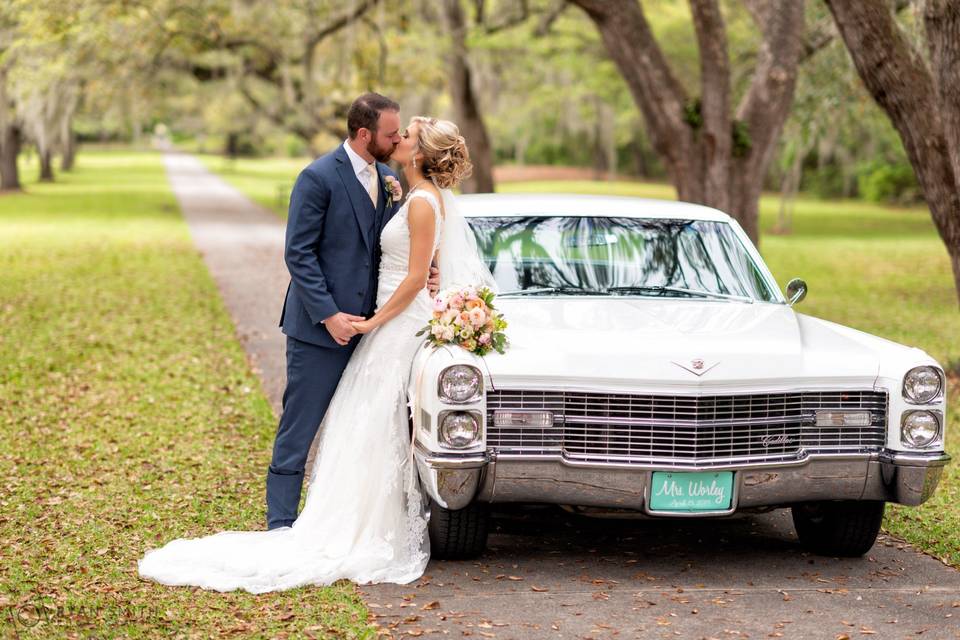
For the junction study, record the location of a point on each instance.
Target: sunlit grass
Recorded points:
(129, 415)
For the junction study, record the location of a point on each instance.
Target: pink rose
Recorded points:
(477, 317)
(395, 189)
(485, 338)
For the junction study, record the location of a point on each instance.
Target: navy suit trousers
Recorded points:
(313, 373)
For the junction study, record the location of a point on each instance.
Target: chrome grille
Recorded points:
(684, 430)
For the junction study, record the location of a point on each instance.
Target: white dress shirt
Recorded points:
(360, 168)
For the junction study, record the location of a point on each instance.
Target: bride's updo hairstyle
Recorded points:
(446, 160)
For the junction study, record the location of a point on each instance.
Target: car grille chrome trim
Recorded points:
(685, 430)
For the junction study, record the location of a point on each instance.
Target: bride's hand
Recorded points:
(363, 326)
(433, 281)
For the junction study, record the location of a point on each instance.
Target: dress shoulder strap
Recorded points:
(432, 199)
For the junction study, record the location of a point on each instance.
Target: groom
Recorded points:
(338, 207)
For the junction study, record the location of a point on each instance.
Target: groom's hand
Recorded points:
(433, 282)
(340, 327)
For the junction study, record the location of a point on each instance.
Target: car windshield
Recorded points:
(584, 255)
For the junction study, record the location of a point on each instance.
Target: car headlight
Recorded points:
(922, 384)
(459, 429)
(461, 383)
(919, 428)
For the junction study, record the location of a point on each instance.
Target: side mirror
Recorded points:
(796, 291)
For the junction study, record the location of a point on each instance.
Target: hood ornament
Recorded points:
(697, 366)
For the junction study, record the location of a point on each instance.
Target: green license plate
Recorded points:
(691, 491)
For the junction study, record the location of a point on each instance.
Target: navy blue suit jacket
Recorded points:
(332, 247)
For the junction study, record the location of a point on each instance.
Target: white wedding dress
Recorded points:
(364, 518)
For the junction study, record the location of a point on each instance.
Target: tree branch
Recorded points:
(549, 18)
(506, 23)
(657, 92)
(338, 23)
(824, 32)
(766, 104)
(714, 98)
(899, 81)
(942, 23)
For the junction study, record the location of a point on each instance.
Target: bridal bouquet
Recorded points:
(466, 317)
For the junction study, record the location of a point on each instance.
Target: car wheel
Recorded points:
(845, 528)
(458, 534)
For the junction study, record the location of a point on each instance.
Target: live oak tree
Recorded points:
(465, 101)
(922, 98)
(48, 48)
(714, 154)
(283, 59)
(486, 20)
(10, 134)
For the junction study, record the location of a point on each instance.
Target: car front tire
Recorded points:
(844, 528)
(458, 534)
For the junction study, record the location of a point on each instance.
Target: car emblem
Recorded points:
(697, 366)
(768, 441)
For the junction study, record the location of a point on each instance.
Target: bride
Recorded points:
(365, 517)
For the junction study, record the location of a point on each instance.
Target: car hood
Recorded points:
(678, 344)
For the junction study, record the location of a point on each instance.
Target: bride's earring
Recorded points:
(414, 162)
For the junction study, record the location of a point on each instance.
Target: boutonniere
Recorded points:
(393, 190)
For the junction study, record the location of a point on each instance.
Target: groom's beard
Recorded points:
(381, 154)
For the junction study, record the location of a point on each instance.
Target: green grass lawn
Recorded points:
(130, 417)
(879, 269)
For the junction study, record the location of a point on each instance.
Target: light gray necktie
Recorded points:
(372, 185)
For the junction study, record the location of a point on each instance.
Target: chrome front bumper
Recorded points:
(454, 481)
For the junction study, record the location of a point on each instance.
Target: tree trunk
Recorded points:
(638, 147)
(924, 107)
(712, 156)
(10, 137)
(232, 148)
(69, 156)
(46, 165)
(656, 92)
(600, 123)
(465, 102)
(9, 152)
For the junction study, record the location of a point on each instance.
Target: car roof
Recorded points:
(566, 204)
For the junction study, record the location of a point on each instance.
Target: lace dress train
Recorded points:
(364, 518)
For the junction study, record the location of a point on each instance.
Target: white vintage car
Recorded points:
(656, 369)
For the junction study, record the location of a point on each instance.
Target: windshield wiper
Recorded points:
(543, 290)
(693, 292)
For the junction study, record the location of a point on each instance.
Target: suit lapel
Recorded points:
(359, 199)
(384, 212)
